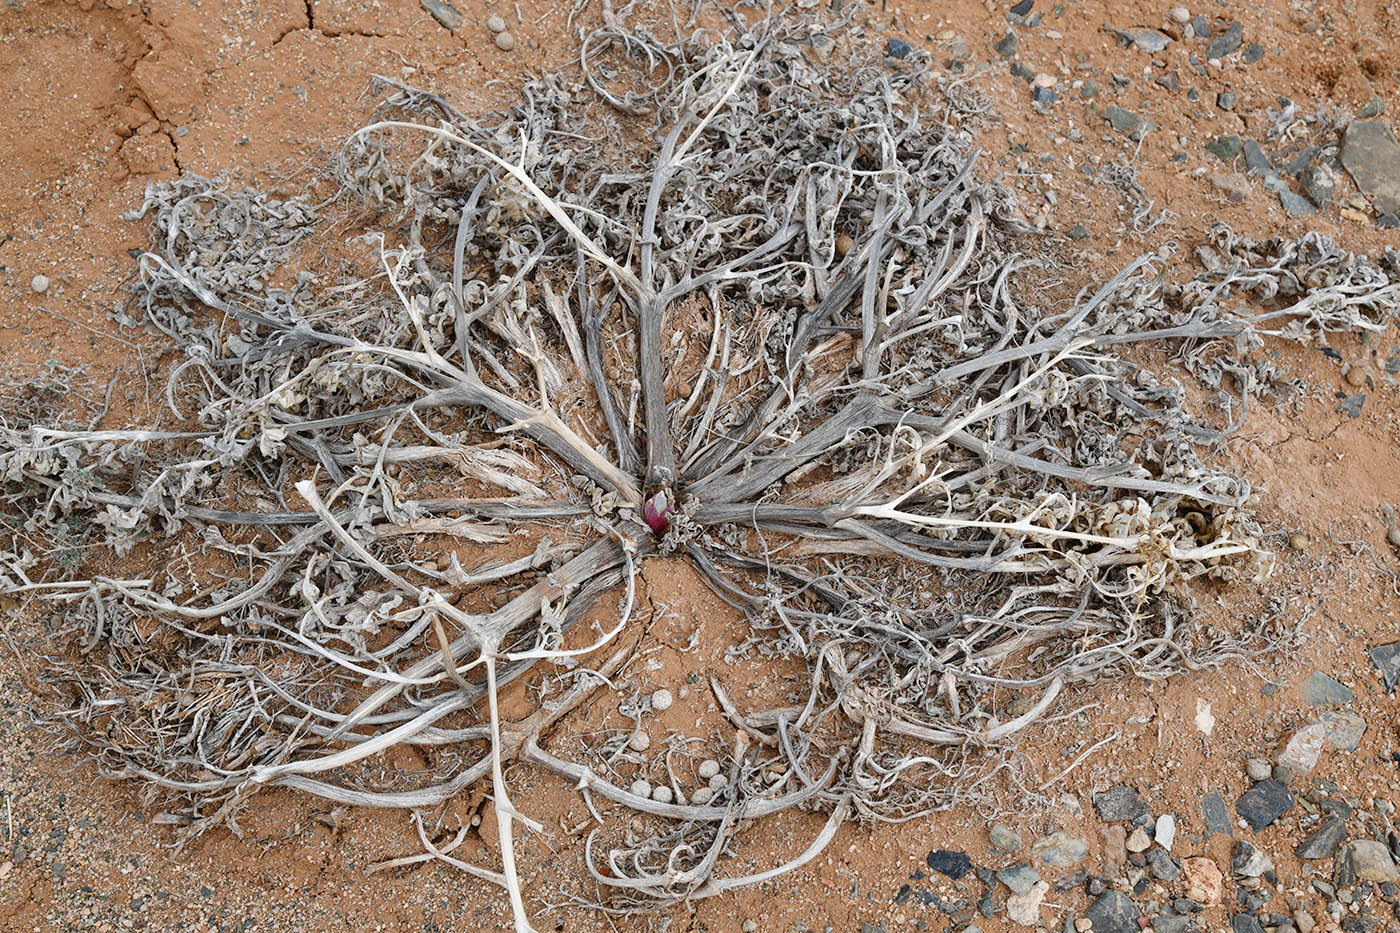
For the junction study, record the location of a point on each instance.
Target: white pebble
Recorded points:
(702, 796)
(1180, 15)
(708, 769)
(495, 23)
(40, 284)
(718, 783)
(505, 41)
(662, 700)
(639, 742)
(662, 794)
(640, 788)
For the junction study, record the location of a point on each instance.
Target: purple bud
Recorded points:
(657, 511)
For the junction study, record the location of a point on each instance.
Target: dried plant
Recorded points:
(708, 299)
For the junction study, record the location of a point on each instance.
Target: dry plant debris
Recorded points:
(707, 298)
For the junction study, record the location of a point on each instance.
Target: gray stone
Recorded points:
(1321, 690)
(1217, 816)
(1344, 730)
(1122, 120)
(1225, 148)
(1295, 204)
(1019, 878)
(1120, 804)
(1252, 53)
(1171, 924)
(1089, 89)
(1226, 101)
(1372, 156)
(1258, 769)
(1386, 658)
(1320, 184)
(1227, 42)
(1114, 912)
(1060, 850)
(1004, 838)
(1263, 803)
(1255, 160)
(1324, 840)
(1200, 25)
(1245, 923)
(1249, 861)
(1370, 861)
(1006, 46)
(444, 13)
(1162, 865)
(1149, 40)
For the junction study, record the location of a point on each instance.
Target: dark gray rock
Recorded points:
(1324, 840)
(1022, 8)
(1021, 71)
(1006, 47)
(1226, 101)
(1114, 912)
(1252, 53)
(1078, 232)
(1321, 690)
(1372, 156)
(1120, 804)
(1386, 658)
(1125, 121)
(1162, 865)
(949, 862)
(1089, 89)
(1245, 923)
(1255, 160)
(1263, 803)
(1302, 160)
(1227, 42)
(1295, 204)
(898, 48)
(1320, 184)
(1225, 148)
(1169, 81)
(1200, 25)
(1217, 816)
(1248, 861)
(1044, 96)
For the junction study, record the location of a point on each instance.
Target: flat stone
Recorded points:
(1372, 156)
(1217, 816)
(1257, 769)
(1162, 865)
(1060, 850)
(1225, 148)
(444, 13)
(1200, 25)
(1303, 749)
(1371, 861)
(1226, 101)
(1004, 838)
(1019, 878)
(1121, 119)
(1114, 912)
(898, 48)
(1202, 881)
(1006, 46)
(1115, 850)
(1149, 40)
(1320, 184)
(1386, 658)
(1252, 53)
(1255, 160)
(1120, 804)
(1166, 924)
(1263, 803)
(1138, 840)
(949, 862)
(1024, 909)
(1089, 89)
(1295, 204)
(1321, 690)
(1227, 42)
(1165, 833)
(1324, 840)
(1344, 730)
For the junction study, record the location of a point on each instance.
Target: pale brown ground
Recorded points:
(259, 90)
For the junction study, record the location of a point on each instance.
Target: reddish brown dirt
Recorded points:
(103, 98)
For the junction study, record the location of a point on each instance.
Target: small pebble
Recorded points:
(1299, 542)
(844, 244)
(1257, 768)
(718, 783)
(1393, 535)
(1180, 15)
(505, 41)
(1356, 376)
(708, 769)
(40, 284)
(662, 700)
(661, 794)
(495, 23)
(750, 926)
(639, 742)
(640, 788)
(702, 796)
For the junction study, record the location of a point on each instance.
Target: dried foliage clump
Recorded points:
(709, 299)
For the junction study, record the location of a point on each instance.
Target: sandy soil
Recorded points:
(104, 98)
